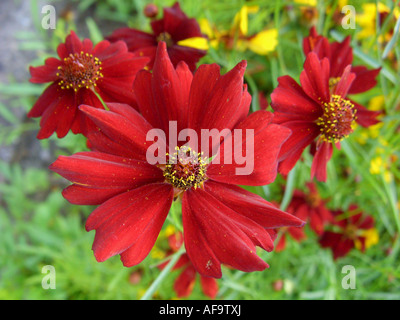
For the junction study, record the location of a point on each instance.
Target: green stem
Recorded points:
(101, 100)
(287, 197)
(163, 274)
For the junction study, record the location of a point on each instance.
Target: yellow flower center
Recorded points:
(79, 70)
(185, 169)
(166, 37)
(338, 118)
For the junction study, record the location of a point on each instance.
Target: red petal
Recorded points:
(168, 92)
(252, 206)
(315, 78)
(320, 161)
(281, 245)
(316, 223)
(317, 43)
(223, 108)
(203, 84)
(209, 286)
(347, 78)
(130, 130)
(105, 50)
(261, 154)
(134, 39)
(144, 97)
(100, 170)
(139, 251)
(365, 117)
(183, 285)
(289, 98)
(171, 20)
(303, 134)
(368, 223)
(46, 73)
(116, 90)
(123, 66)
(46, 100)
(365, 79)
(82, 195)
(73, 44)
(297, 234)
(82, 124)
(222, 240)
(131, 221)
(341, 56)
(58, 116)
(186, 54)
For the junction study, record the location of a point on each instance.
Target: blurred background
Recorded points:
(38, 227)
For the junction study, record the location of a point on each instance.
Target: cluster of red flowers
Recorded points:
(338, 230)
(117, 91)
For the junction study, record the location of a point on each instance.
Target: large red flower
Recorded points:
(316, 112)
(175, 26)
(222, 223)
(348, 232)
(185, 282)
(340, 55)
(81, 72)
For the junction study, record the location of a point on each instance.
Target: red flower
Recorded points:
(315, 112)
(349, 233)
(222, 223)
(310, 207)
(107, 69)
(296, 233)
(340, 55)
(184, 284)
(175, 26)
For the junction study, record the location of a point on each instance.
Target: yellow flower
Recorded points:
(309, 3)
(371, 238)
(169, 231)
(241, 19)
(195, 42)
(376, 103)
(264, 42)
(387, 176)
(156, 253)
(376, 166)
(141, 293)
(237, 37)
(379, 166)
(367, 20)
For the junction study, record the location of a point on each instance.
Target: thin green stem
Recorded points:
(287, 197)
(101, 100)
(163, 274)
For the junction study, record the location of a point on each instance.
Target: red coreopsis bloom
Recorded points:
(316, 112)
(185, 282)
(107, 69)
(222, 223)
(310, 207)
(350, 229)
(340, 55)
(175, 26)
(296, 233)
